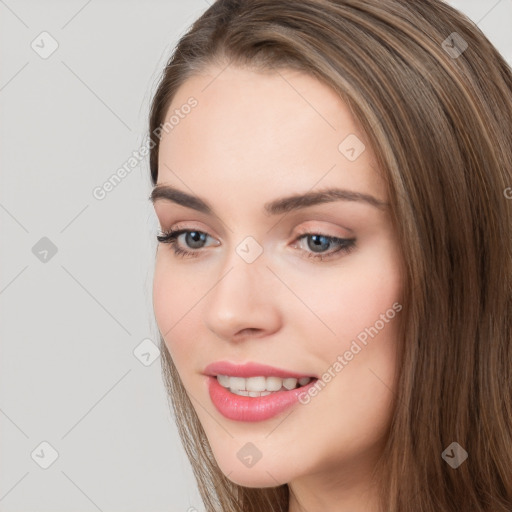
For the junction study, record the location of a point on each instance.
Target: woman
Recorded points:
(333, 283)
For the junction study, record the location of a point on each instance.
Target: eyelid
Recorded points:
(307, 228)
(195, 227)
(302, 230)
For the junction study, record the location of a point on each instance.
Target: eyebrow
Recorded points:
(275, 207)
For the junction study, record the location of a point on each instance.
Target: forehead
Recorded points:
(279, 132)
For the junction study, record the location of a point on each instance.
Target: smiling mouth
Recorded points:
(261, 385)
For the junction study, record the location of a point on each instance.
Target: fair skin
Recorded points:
(252, 138)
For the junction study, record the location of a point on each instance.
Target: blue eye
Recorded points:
(170, 237)
(318, 241)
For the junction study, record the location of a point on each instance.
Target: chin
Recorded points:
(264, 472)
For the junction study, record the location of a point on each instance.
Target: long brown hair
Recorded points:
(438, 115)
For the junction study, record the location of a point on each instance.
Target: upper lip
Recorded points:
(250, 369)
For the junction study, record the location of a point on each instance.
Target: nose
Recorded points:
(244, 301)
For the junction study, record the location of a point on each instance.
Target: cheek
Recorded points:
(163, 298)
(172, 298)
(352, 297)
(177, 310)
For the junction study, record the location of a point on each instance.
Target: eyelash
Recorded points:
(170, 237)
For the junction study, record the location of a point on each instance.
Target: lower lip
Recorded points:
(259, 408)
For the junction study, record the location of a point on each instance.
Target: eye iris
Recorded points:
(195, 237)
(317, 244)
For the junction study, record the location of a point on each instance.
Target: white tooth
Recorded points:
(240, 392)
(223, 380)
(260, 384)
(255, 384)
(265, 393)
(236, 383)
(274, 383)
(290, 383)
(254, 393)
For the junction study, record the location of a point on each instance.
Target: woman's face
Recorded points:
(254, 289)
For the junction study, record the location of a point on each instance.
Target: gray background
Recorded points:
(71, 319)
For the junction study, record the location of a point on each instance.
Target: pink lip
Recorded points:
(246, 408)
(249, 370)
(251, 409)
